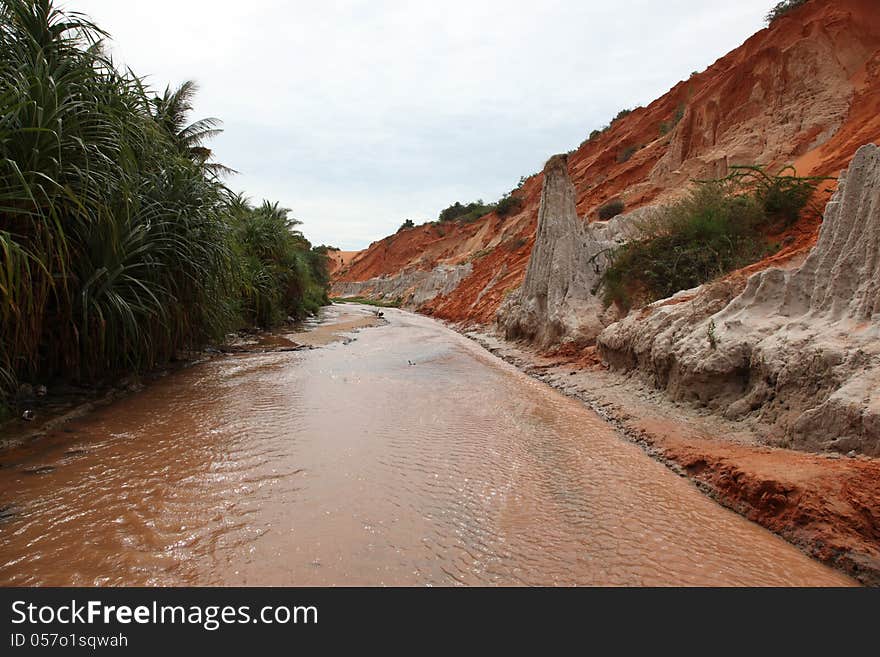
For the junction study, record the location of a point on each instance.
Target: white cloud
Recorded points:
(359, 114)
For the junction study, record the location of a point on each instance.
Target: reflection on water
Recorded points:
(348, 465)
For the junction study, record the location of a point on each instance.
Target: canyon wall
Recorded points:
(411, 288)
(797, 350)
(805, 91)
(557, 301)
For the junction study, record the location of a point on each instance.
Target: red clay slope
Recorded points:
(804, 91)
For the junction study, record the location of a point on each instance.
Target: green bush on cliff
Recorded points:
(509, 204)
(625, 155)
(720, 226)
(466, 212)
(668, 126)
(119, 243)
(611, 209)
(782, 197)
(782, 8)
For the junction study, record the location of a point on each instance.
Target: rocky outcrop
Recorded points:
(557, 300)
(411, 289)
(799, 348)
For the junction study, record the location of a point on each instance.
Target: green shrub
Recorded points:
(783, 8)
(509, 204)
(783, 196)
(466, 213)
(667, 126)
(625, 154)
(611, 209)
(719, 227)
(406, 225)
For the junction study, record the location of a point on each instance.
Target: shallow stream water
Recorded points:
(407, 456)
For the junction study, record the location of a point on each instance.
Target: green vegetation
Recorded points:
(782, 196)
(120, 244)
(783, 8)
(721, 226)
(712, 335)
(466, 213)
(406, 225)
(611, 209)
(667, 126)
(508, 204)
(278, 273)
(368, 302)
(626, 154)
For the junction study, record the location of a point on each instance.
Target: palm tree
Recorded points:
(171, 111)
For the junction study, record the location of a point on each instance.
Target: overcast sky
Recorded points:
(359, 114)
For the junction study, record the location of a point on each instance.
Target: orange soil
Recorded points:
(829, 507)
(339, 259)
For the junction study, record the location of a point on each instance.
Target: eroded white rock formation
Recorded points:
(411, 288)
(798, 348)
(557, 300)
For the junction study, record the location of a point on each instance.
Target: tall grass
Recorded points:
(280, 275)
(119, 243)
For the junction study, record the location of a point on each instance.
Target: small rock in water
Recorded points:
(28, 415)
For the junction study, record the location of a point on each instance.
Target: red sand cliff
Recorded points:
(804, 91)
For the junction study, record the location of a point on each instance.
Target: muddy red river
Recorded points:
(408, 456)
